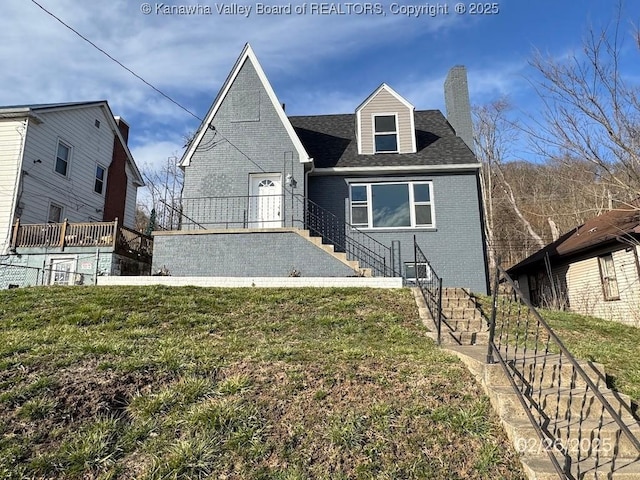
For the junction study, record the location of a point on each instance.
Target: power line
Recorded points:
(208, 147)
(116, 61)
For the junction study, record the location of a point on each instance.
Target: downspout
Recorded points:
(17, 185)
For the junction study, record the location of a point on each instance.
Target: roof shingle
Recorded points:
(331, 141)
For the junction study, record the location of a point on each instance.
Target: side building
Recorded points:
(68, 188)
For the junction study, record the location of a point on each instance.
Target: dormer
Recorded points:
(385, 123)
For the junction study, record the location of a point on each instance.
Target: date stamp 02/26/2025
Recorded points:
(584, 446)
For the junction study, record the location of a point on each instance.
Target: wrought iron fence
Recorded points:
(246, 211)
(430, 284)
(575, 422)
(357, 245)
(291, 210)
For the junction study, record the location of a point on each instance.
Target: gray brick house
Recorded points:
(327, 195)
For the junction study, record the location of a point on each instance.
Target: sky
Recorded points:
(319, 57)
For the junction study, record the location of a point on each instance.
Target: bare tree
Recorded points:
(592, 110)
(163, 202)
(494, 135)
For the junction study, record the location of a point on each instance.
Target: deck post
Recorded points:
(14, 237)
(63, 232)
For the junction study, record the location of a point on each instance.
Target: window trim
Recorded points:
(103, 180)
(375, 133)
(412, 205)
(604, 281)
(67, 160)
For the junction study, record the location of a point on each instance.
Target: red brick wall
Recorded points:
(116, 194)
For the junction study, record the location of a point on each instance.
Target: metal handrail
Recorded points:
(232, 212)
(430, 286)
(358, 245)
(511, 367)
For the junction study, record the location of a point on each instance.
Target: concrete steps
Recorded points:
(540, 468)
(572, 417)
(330, 249)
(463, 324)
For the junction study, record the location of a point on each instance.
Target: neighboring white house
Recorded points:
(65, 163)
(593, 269)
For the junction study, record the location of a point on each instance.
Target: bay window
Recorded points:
(392, 205)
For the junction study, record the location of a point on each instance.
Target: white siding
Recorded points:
(75, 192)
(130, 205)
(584, 288)
(10, 146)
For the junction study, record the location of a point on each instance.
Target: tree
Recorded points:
(164, 194)
(494, 134)
(592, 111)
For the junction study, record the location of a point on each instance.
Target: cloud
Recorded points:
(317, 63)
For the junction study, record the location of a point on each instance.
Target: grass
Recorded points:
(612, 344)
(172, 383)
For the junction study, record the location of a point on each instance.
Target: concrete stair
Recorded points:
(569, 414)
(558, 398)
(463, 323)
(330, 249)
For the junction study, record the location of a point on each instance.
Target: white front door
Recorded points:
(265, 200)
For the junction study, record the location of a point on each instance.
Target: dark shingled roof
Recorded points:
(331, 141)
(622, 223)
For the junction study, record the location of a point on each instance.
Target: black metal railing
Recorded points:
(246, 211)
(290, 210)
(430, 284)
(574, 421)
(357, 245)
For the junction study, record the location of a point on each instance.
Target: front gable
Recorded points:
(246, 100)
(385, 123)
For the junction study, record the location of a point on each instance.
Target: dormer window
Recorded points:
(386, 133)
(385, 123)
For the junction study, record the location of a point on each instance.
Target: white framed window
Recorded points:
(61, 271)
(98, 186)
(55, 213)
(63, 155)
(608, 277)
(385, 133)
(392, 205)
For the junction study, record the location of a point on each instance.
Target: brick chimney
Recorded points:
(116, 195)
(456, 99)
(124, 128)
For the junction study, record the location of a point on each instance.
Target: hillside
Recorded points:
(153, 382)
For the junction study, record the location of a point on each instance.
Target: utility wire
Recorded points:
(116, 61)
(146, 82)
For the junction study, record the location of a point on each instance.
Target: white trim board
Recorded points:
(393, 169)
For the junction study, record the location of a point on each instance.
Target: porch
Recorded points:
(107, 235)
(233, 229)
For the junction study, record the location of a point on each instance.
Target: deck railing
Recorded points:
(90, 234)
